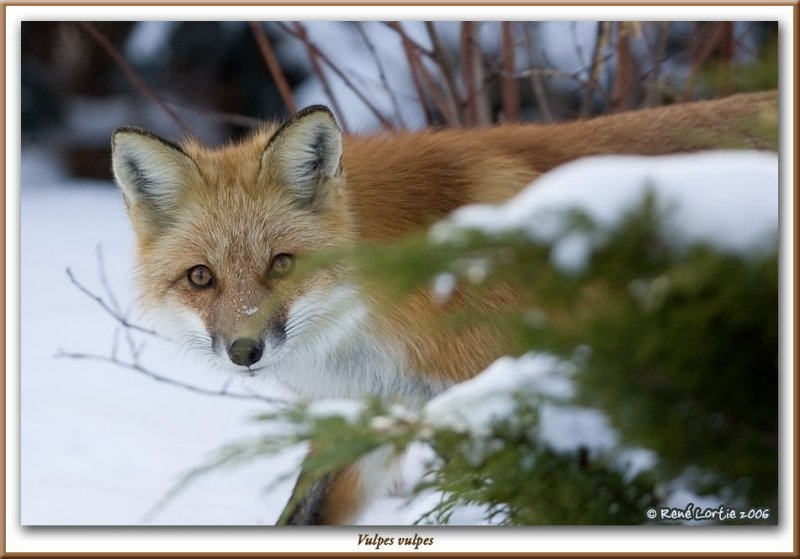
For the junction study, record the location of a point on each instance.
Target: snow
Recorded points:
(473, 405)
(443, 286)
(726, 198)
(100, 444)
(148, 40)
(350, 410)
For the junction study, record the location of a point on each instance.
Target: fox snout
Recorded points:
(246, 351)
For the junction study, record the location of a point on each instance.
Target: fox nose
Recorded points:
(245, 351)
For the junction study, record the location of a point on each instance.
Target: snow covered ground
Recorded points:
(101, 444)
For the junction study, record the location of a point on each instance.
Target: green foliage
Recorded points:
(684, 348)
(522, 481)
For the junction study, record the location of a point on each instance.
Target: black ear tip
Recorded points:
(127, 130)
(314, 109)
(124, 130)
(135, 131)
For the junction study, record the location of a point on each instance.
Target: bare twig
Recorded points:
(397, 28)
(219, 116)
(315, 53)
(509, 85)
(653, 96)
(702, 54)
(99, 300)
(137, 81)
(412, 56)
(135, 366)
(381, 73)
(134, 349)
(726, 48)
(447, 109)
(274, 67)
(600, 40)
(113, 308)
(452, 96)
(299, 32)
(468, 73)
(536, 79)
(622, 95)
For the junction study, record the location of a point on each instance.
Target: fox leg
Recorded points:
(338, 497)
(333, 499)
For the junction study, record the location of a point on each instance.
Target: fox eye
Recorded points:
(281, 265)
(200, 276)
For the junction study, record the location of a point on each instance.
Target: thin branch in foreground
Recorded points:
(137, 80)
(100, 301)
(135, 366)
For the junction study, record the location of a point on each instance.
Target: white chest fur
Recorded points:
(334, 352)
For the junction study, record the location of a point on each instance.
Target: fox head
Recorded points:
(219, 233)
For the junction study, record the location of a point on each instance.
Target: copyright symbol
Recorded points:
(651, 513)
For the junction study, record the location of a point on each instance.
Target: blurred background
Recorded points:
(216, 80)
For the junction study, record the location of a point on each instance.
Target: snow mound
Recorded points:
(474, 405)
(725, 198)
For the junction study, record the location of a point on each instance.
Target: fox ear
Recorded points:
(305, 151)
(150, 171)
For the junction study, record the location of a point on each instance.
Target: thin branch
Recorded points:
(726, 47)
(218, 116)
(476, 95)
(653, 96)
(315, 52)
(381, 72)
(101, 269)
(453, 98)
(600, 40)
(536, 80)
(468, 73)
(114, 309)
(313, 57)
(99, 300)
(135, 350)
(701, 56)
(137, 81)
(397, 28)
(134, 366)
(622, 95)
(274, 67)
(448, 111)
(509, 88)
(412, 56)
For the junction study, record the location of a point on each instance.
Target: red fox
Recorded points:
(219, 232)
